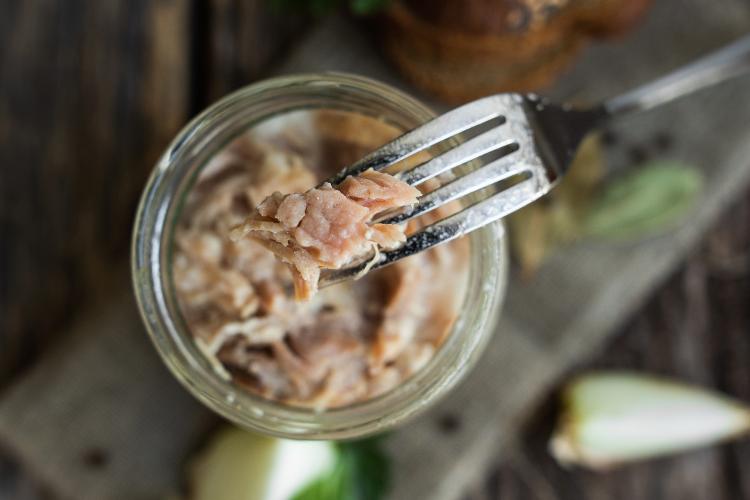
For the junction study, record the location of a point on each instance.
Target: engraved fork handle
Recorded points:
(730, 61)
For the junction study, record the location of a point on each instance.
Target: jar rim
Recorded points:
(151, 274)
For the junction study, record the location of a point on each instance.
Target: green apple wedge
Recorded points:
(239, 465)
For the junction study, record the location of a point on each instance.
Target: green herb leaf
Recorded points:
(362, 472)
(332, 486)
(364, 7)
(369, 468)
(645, 201)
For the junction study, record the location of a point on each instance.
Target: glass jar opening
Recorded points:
(160, 209)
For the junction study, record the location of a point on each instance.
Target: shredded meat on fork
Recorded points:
(328, 227)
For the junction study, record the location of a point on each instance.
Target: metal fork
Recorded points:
(537, 140)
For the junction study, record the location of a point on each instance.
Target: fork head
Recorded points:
(525, 138)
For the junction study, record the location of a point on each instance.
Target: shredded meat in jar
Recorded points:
(348, 343)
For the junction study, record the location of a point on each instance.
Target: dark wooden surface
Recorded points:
(695, 328)
(90, 94)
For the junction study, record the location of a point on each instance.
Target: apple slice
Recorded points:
(241, 465)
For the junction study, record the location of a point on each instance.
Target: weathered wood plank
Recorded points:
(240, 40)
(90, 94)
(695, 329)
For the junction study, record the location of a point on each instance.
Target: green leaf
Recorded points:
(362, 472)
(332, 486)
(644, 202)
(364, 7)
(369, 468)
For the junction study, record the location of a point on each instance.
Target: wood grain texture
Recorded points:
(240, 39)
(695, 329)
(90, 94)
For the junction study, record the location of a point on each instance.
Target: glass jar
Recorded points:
(159, 211)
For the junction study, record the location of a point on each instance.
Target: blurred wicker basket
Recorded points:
(462, 50)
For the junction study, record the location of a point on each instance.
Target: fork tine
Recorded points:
(475, 180)
(434, 131)
(470, 218)
(494, 139)
(488, 210)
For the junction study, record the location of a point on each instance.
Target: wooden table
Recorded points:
(695, 328)
(90, 93)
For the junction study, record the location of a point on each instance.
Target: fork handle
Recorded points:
(725, 63)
